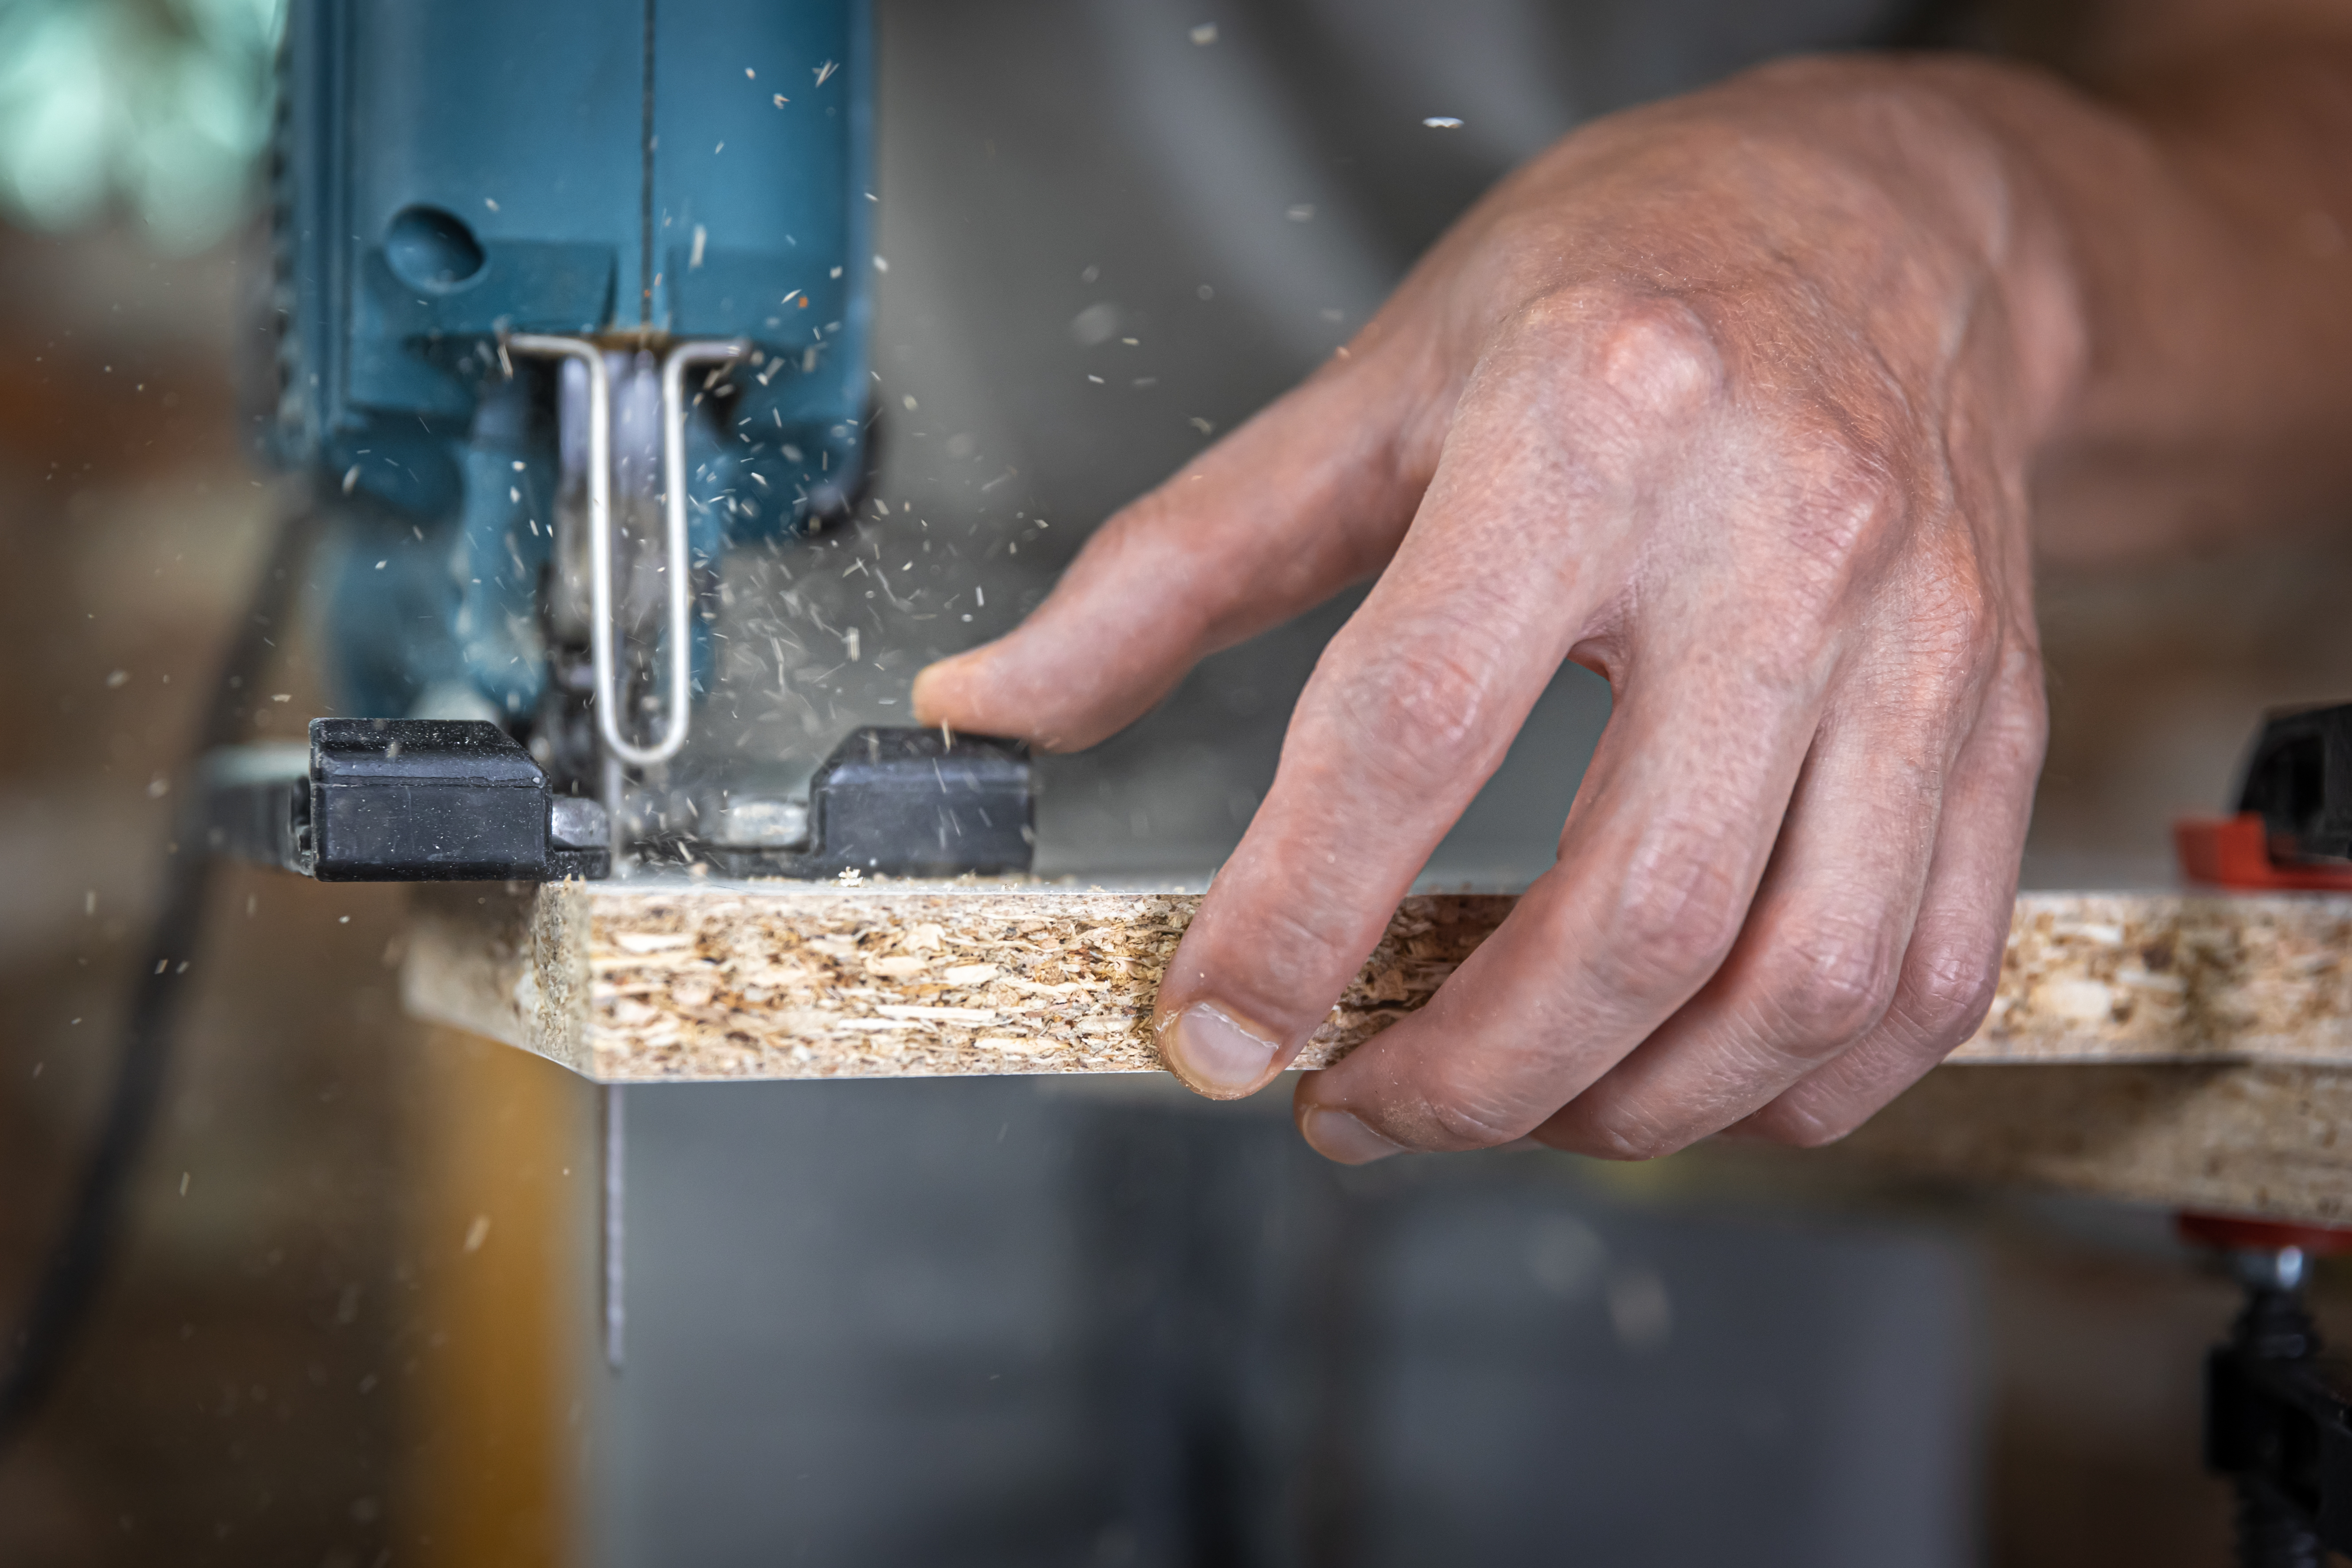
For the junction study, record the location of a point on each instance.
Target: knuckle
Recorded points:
(1417, 707)
(1959, 606)
(1847, 508)
(2018, 721)
(1617, 1135)
(1818, 1112)
(1659, 356)
(1467, 1122)
(1955, 623)
(1295, 950)
(1948, 994)
(1156, 520)
(1801, 1128)
(1853, 475)
(1675, 918)
(1651, 349)
(1829, 990)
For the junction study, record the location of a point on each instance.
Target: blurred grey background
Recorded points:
(996, 1321)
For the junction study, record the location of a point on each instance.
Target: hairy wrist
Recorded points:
(2195, 216)
(1968, 239)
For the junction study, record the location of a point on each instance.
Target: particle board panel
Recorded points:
(684, 979)
(2181, 1047)
(628, 982)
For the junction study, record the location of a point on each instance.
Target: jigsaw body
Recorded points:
(571, 301)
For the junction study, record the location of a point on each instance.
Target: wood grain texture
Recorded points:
(634, 982)
(2184, 1048)
(2159, 977)
(700, 983)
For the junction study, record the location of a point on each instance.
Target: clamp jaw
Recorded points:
(2278, 1413)
(2293, 830)
(402, 800)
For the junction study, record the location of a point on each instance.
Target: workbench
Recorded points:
(2182, 1047)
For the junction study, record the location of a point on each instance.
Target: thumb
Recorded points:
(1313, 493)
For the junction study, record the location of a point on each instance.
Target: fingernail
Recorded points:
(1337, 1135)
(1214, 1054)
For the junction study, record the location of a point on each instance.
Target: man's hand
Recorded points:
(1734, 400)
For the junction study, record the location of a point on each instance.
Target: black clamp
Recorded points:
(905, 802)
(2298, 779)
(404, 800)
(2278, 1413)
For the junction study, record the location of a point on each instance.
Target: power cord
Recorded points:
(86, 1245)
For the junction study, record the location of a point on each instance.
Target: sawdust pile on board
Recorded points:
(2164, 976)
(869, 983)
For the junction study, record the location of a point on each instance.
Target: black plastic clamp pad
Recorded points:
(412, 800)
(917, 803)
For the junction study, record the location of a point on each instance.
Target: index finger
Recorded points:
(1660, 859)
(1309, 495)
(1517, 542)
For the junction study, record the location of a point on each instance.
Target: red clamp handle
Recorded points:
(2235, 852)
(2236, 1232)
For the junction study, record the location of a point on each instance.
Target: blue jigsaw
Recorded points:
(571, 300)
